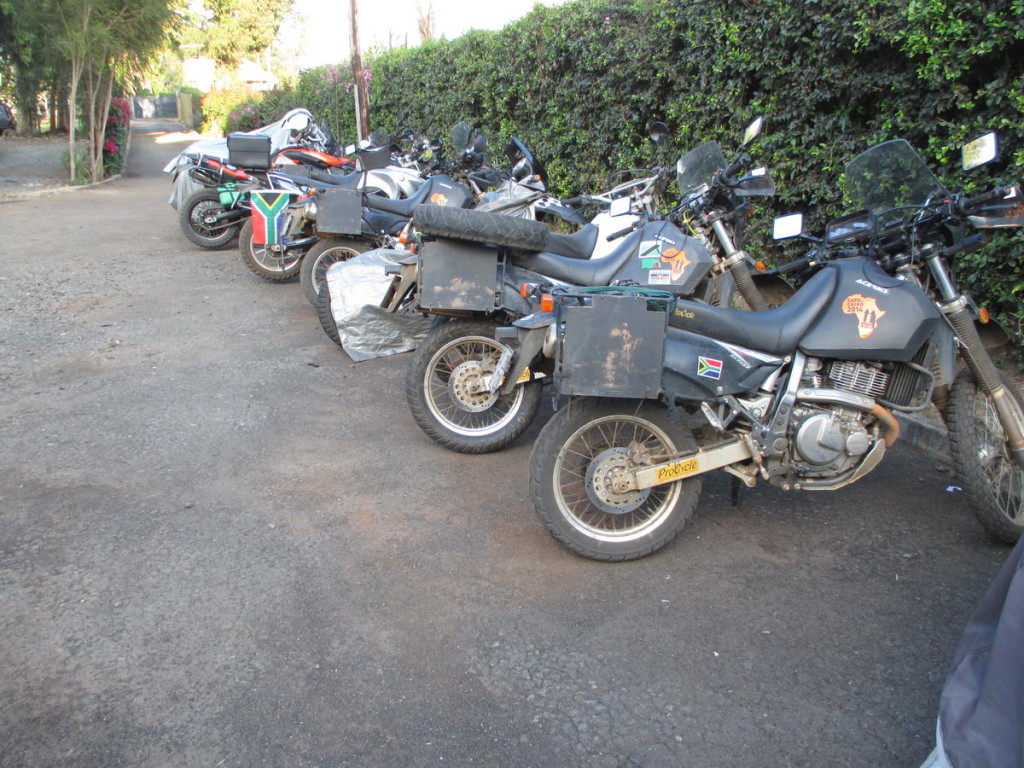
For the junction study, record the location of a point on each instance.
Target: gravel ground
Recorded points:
(32, 163)
(223, 543)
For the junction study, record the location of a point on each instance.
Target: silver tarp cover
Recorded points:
(367, 331)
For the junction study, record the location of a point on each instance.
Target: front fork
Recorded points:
(735, 262)
(404, 277)
(955, 307)
(525, 339)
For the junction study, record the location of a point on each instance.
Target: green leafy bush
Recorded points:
(580, 82)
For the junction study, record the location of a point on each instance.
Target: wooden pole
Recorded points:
(362, 95)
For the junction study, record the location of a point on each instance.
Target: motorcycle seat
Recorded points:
(402, 207)
(777, 331)
(579, 271)
(576, 246)
(322, 181)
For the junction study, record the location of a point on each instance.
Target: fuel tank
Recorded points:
(872, 316)
(666, 258)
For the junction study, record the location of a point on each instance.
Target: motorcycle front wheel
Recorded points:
(576, 459)
(265, 262)
(991, 479)
(325, 315)
(319, 258)
(197, 218)
(446, 388)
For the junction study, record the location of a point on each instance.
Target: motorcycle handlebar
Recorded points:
(741, 160)
(969, 244)
(970, 203)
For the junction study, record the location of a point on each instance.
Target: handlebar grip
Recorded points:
(579, 199)
(620, 233)
(741, 160)
(796, 264)
(985, 197)
(967, 245)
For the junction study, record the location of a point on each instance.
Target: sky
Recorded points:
(318, 30)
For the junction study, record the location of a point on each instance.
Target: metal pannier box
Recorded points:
(613, 346)
(248, 150)
(457, 275)
(339, 212)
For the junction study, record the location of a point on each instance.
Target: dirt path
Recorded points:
(222, 543)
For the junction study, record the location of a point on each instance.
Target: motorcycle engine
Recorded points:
(827, 440)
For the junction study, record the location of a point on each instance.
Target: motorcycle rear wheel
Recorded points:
(992, 481)
(575, 458)
(319, 258)
(445, 389)
(264, 262)
(192, 216)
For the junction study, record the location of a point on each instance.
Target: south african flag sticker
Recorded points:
(709, 368)
(268, 214)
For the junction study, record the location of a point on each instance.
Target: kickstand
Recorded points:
(734, 496)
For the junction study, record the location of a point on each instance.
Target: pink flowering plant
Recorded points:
(115, 136)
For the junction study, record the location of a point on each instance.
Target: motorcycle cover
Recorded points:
(981, 710)
(366, 330)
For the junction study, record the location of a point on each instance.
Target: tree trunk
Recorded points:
(76, 75)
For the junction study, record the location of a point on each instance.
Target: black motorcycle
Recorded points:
(480, 270)
(662, 390)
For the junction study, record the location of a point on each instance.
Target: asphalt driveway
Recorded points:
(223, 543)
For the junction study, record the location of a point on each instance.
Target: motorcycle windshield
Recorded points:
(890, 175)
(698, 166)
(460, 135)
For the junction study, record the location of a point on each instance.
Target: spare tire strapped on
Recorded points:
(481, 227)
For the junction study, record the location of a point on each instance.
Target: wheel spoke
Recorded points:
(595, 443)
(455, 388)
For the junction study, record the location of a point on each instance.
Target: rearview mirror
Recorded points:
(753, 131)
(786, 227)
(983, 149)
(620, 206)
(658, 132)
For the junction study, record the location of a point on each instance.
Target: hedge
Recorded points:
(580, 82)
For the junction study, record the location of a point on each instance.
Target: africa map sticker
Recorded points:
(867, 311)
(655, 255)
(709, 368)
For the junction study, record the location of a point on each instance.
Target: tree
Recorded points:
(231, 30)
(105, 41)
(425, 20)
(25, 44)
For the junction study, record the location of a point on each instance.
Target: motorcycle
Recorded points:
(662, 390)
(520, 191)
(221, 173)
(331, 219)
(481, 271)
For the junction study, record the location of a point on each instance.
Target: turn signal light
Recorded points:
(547, 302)
(983, 315)
(525, 289)
(761, 266)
